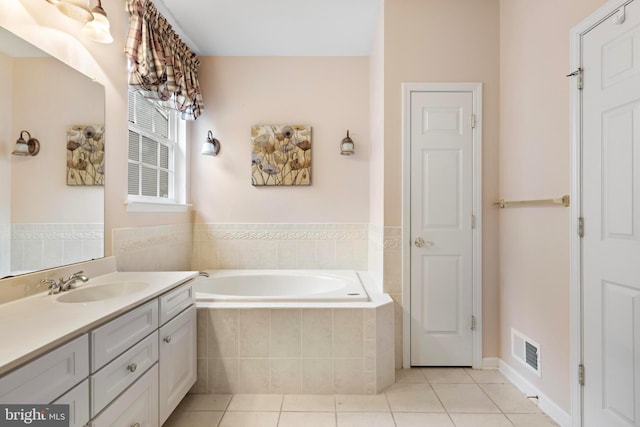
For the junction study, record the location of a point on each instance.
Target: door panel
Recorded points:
(441, 280)
(441, 208)
(611, 211)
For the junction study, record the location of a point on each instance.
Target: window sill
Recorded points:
(138, 206)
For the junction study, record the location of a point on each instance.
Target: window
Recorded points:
(156, 153)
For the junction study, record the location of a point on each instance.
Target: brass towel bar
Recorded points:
(564, 201)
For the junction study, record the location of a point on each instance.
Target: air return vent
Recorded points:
(526, 351)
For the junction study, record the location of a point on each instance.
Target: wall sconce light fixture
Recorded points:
(98, 29)
(30, 147)
(97, 24)
(347, 147)
(75, 9)
(211, 147)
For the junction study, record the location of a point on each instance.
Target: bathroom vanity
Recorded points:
(120, 350)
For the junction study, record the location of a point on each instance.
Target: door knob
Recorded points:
(419, 242)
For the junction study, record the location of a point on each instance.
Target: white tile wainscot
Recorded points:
(280, 246)
(296, 348)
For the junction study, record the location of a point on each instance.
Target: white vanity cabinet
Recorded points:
(58, 377)
(48, 377)
(78, 400)
(177, 360)
(177, 334)
(138, 406)
(172, 346)
(131, 371)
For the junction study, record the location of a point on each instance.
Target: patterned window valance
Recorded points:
(161, 66)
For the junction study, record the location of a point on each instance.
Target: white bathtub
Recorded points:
(281, 286)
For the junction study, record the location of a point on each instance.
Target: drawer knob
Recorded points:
(167, 339)
(132, 367)
(135, 425)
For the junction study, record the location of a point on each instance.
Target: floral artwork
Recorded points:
(85, 155)
(281, 155)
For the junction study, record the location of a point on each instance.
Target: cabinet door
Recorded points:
(78, 400)
(48, 377)
(138, 406)
(177, 360)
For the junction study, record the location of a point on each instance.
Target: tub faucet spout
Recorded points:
(203, 274)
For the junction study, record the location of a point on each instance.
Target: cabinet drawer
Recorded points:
(136, 406)
(175, 301)
(110, 340)
(177, 360)
(48, 377)
(113, 379)
(78, 400)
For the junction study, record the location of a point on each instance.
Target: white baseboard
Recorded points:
(490, 363)
(545, 404)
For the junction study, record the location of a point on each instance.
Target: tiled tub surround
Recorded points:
(296, 348)
(280, 246)
(45, 245)
(156, 248)
(393, 281)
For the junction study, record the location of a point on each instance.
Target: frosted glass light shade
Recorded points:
(76, 9)
(98, 29)
(21, 149)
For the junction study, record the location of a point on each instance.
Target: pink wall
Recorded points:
(534, 163)
(46, 111)
(446, 41)
(376, 125)
(329, 93)
(6, 143)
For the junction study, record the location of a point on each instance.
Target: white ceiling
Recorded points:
(274, 27)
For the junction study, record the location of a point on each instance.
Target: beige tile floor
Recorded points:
(421, 397)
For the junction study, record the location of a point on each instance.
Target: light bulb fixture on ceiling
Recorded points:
(30, 147)
(211, 147)
(98, 29)
(347, 147)
(75, 9)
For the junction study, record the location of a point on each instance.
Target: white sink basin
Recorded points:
(102, 292)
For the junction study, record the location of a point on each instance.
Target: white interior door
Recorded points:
(441, 145)
(611, 211)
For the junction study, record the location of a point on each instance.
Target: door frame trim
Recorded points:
(476, 89)
(575, 271)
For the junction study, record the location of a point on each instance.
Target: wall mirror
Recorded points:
(51, 204)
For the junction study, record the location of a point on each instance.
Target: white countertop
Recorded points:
(29, 327)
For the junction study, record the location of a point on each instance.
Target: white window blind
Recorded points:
(153, 144)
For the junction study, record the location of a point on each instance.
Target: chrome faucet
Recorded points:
(65, 285)
(52, 284)
(61, 285)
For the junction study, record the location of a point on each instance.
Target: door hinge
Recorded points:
(473, 221)
(581, 227)
(581, 374)
(579, 73)
(473, 121)
(473, 323)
